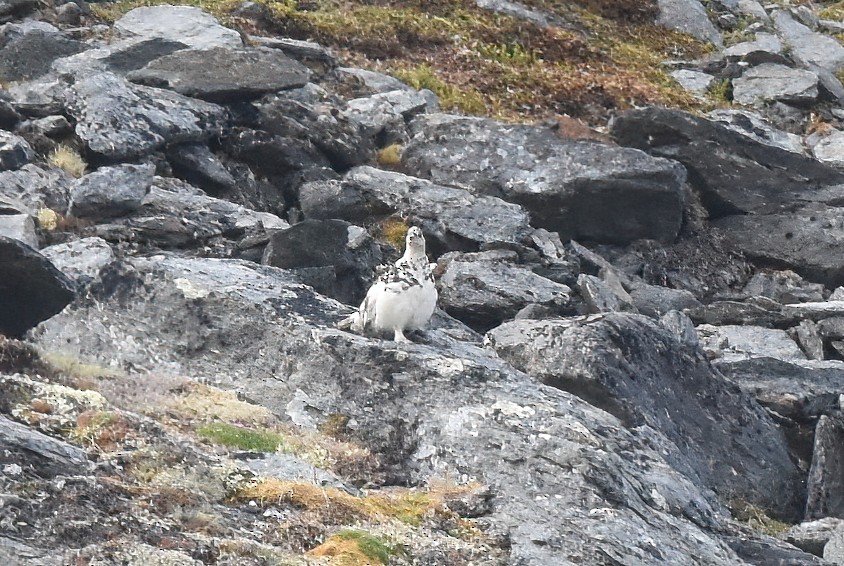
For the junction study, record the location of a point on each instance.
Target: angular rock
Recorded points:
(174, 214)
(382, 116)
(484, 289)
(51, 126)
(825, 485)
(31, 288)
(771, 81)
(199, 166)
(833, 550)
(452, 219)
(796, 389)
(764, 42)
(515, 9)
(630, 366)
(731, 342)
(311, 113)
(600, 297)
(370, 82)
(27, 53)
(272, 155)
(832, 327)
(816, 311)
(785, 287)
(809, 47)
(111, 191)
(413, 407)
(120, 120)
(312, 54)
(15, 152)
(720, 313)
(581, 189)
(10, 9)
(752, 8)
(766, 551)
(733, 174)
(831, 149)
(688, 16)
(812, 536)
(9, 116)
(334, 257)
(693, 81)
(655, 301)
(809, 339)
(184, 24)
(806, 241)
(36, 187)
(81, 260)
(119, 57)
(223, 74)
(19, 227)
(682, 327)
(48, 455)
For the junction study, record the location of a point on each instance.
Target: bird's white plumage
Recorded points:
(403, 297)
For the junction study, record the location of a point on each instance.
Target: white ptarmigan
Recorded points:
(403, 298)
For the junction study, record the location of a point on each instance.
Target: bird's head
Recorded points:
(415, 241)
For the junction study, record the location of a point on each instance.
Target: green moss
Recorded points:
(451, 97)
(756, 518)
(370, 545)
(721, 91)
(241, 437)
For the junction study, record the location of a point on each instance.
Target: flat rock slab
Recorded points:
(49, 456)
(812, 536)
(802, 390)
(121, 120)
(732, 342)
(452, 218)
(26, 54)
(770, 81)
(482, 290)
(732, 172)
(31, 288)
(809, 47)
(807, 241)
(819, 310)
(694, 81)
(36, 187)
(81, 260)
(765, 42)
(223, 74)
(185, 24)
(632, 367)
(584, 190)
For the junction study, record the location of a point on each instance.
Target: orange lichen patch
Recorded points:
(342, 553)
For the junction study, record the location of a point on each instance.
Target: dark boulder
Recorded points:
(334, 257)
(584, 190)
(199, 166)
(31, 288)
(732, 172)
(28, 50)
(826, 477)
(111, 191)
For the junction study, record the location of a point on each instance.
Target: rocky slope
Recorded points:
(639, 356)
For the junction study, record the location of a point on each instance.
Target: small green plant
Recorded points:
(241, 437)
(393, 231)
(721, 91)
(370, 545)
(452, 97)
(66, 158)
(756, 518)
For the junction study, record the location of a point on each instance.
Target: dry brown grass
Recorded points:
(67, 158)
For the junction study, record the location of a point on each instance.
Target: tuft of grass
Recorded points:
(335, 425)
(756, 518)
(66, 158)
(48, 219)
(103, 429)
(209, 403)
(241, 437)
(394, 231)
(834, 11)
(721, 91)
(451, 97)
(353, 547)
(390, 156)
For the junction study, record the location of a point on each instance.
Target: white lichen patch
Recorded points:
(190, 289)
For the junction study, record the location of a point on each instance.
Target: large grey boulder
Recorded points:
(484, 289)
(732, 173)
(772, 81)
(632, 367)
(31, 288)
(806, 240)
(584, 190)
(120, 120)
(185, 24)
(312, 113)
(808, 47)
(688, 16)
(223, 74)
(28, 52)
(81, 260)
(452, 218)
(582, 488)
(734, 342)
(830, 149)
(111, 191)
(15, 152)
